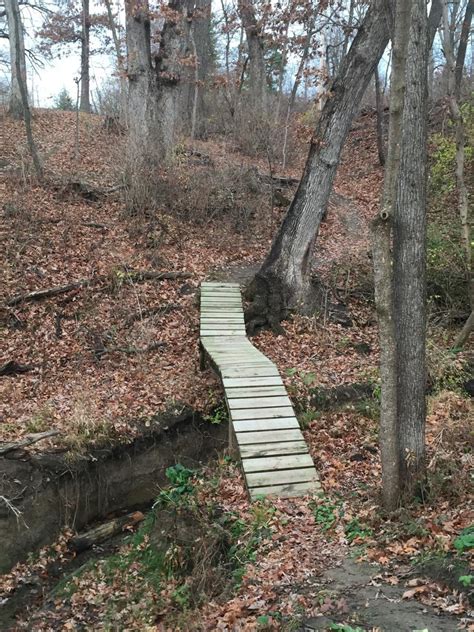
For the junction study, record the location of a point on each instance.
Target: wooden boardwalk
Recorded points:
(275, 457)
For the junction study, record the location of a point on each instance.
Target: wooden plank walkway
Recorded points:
(275, 457)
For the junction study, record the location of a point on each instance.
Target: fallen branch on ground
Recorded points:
(129, 275)
(14, 368)
(132, 350)
(104, 531)
(95, 225)
(38, 295)
(150, 275)
(287, 181)
(27, 440)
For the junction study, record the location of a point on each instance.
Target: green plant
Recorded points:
(342, 627)
(466, 580)
(326, 513)
(218, 415)
(465, 540)
(354, 530)
(182, 596)
(63, 101)
(179, 477)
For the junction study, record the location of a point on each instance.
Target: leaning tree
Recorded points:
(283, 283)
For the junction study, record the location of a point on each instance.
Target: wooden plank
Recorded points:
(249, 391)
(286, 491)
(281, 477)
(238, 320)
(273, 449)
(268, 437)
(220, 300)
(244, 362)
(262, 413)
(216, 332)
(257, 402)
(254, 425)
(271, 371)
(221, 324)
(244, 382)
(275, 463)
(223, 295)
(219, 284)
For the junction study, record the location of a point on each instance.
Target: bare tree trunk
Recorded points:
(283, 283)
(281, 70)
(465, 332)
(169, 71)
(409, 256)
(454, 71)
(85, 105)
(195, 77)
(196, 86)
(18, 66)
(140, 89)
(16, 31)
(379, 109)
(256, 64)
(120, 62)
(382, 260)
(297, 82)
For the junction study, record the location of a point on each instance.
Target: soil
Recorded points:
(371, 604)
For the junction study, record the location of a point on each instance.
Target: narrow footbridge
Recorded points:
(275, 457)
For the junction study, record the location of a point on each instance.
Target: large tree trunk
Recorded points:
(284, 283)
(16, 34)
(382, 260)
(17, 60)
(309, 28)
(140, 87)
(196, 77)
(256, 63)
(120, 61)
(169, 74)
(85, 104)
(409, 256)
(454, 69)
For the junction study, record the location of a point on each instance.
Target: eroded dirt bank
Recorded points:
(42, 492)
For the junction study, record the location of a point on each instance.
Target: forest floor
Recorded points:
(96, 374)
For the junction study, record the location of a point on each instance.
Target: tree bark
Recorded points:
(120, 62)
(193, 106)
(379, 111)
(296, 84)
(139, 73)
(17, 60)
(169, 71)
(409, 256)
(283, 283)
(85, 104)
(455, 65)
(17, 31)
(382, 260)
(256, 63)
(465, 332)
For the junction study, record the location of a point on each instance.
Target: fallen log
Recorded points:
(105, 531)
(38, 295)
(14, 368)
(284, 181)
(151, 275)
(129, 275)
(27, 440)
